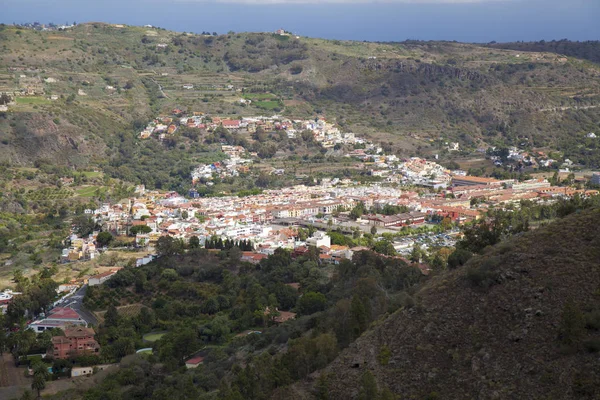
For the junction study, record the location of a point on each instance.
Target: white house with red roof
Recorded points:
(58, 317)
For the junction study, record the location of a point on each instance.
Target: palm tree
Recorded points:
(40, 374)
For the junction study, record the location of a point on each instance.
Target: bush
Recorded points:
(572, 324)
(592, 320)
(459, 257)
(483, 276)
(311, 302)
(592, 345)
(384, 355)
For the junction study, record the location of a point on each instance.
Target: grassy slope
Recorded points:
(462, 341)
(408, 93)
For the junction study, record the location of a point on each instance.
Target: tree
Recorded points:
(368, 387)
(359, 316)
(416, 254)
(134, 230)
(111, 318)
(194, 242)
(104, 238)
(263, 180)
(446, 223)
(384, 247)
(22, 341)
(169, 274)
(373, 230)
(357, 211)
(459, 257)
(311, 302)
(167, 246)
(83, 225)
(27, 395)
(40, 374)
(235, 254)
(322, 387)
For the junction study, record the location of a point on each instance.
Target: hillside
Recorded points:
(587, 50)
(110, 80)
(519, 322)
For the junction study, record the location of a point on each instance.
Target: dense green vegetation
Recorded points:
(202, 300)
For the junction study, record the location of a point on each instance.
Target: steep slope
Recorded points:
(509, 325)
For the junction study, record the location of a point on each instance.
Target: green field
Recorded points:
(89, 191)
(32, 100)
(153, 336)
(92, 174)
(268, 105)
(259, 96)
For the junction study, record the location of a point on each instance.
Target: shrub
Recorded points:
(384, 355)
(592, 345)
(592, 320)
(572, 324)
(483, 276)
(459, 257)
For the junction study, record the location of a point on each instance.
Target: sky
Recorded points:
(383, 20)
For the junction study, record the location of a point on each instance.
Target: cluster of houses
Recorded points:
(325, 133)
(160, 127)
(50, 26)
(236, 164)
(534, 159)
(80, 248)
(271, 219)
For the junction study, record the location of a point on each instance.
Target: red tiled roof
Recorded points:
(79, 331)
(195, 360)
(63, 313)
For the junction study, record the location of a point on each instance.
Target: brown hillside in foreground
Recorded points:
(464, 341)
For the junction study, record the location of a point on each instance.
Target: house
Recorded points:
(85, 371)
(103, 277)
(78, 340)
(475, 180)
(231, 123)
(59, 317)
(319, 239)
(6, 297)
(194, 362)
(403, 219)
(252, 257)
(326, 258)
(280, 316)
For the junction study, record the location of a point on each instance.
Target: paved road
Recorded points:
(75, 301)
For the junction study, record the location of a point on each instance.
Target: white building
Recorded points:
(319, 239)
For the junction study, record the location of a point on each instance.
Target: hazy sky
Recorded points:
(387, 20)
